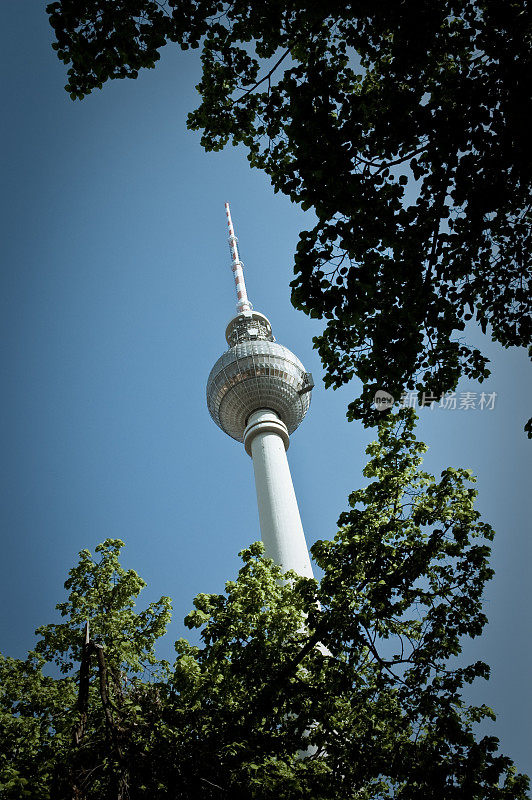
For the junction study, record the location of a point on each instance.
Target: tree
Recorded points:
(88, 733)
(344, 688)
(400, 124)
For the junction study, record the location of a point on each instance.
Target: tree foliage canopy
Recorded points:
(344, 688)
(402, 125)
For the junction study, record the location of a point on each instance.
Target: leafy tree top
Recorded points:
(344, 687)
(103, 593)
(400, 124)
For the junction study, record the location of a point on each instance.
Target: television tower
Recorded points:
(258, 393)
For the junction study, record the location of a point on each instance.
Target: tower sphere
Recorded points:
(256, 373)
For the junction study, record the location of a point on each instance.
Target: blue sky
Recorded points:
(115, 290)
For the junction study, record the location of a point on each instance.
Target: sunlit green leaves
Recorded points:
(104, 594)
(347, 687)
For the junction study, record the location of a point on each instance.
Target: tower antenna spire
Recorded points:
(243, 305)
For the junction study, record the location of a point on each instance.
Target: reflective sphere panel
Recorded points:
(252, 375)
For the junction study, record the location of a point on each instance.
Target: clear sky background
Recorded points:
(115, 290)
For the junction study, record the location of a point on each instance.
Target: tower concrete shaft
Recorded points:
(266, 441)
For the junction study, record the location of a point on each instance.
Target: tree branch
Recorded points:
(266, 78)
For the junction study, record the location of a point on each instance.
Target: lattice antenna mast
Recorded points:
(243, 305)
